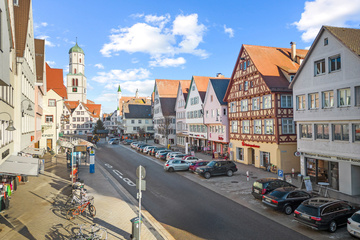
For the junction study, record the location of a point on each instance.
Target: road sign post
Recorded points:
(141, 185)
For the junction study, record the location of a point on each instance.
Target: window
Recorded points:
(234, 126)
(246, 126)
(286, 101)
(233, 107)
(244, 105)
(224, 111)
(240, 154)
(246, 85)
(313, 100)
(300, 102)
(52, 102)
(326, 41)
(133, 121)
(139, 121)
(48, 118)
(74, 119)
(269, 126)
(257, 126)
(192, 101)
(328, 99)
(357, 96)
(320, 67)
(321, 131)
(211, 98)
(341, 132)
(195, 114)
(288, 126)
(267, 101)
(292, 78)
(240, 87)
(305, 131)
(134, 128)
(256, 103)
(245, 65)
(356, 132)
(344, 97)
(334, 63)
(78, 119)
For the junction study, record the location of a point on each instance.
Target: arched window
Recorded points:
(77, 82)
(73, 82)
(80, 60)
(75, 70)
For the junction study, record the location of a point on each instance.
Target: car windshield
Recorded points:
(356, 217)
(313, 211)
(278, 194)
(211, 164)
(258, 185)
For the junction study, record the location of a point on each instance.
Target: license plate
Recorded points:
(256, 190)
(268, 200)
(305, 216)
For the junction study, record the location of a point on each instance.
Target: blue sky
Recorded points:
(134, 42)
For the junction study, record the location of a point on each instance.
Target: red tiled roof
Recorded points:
(167, 88)
(54, 81)
(94, 109)
(185, 85)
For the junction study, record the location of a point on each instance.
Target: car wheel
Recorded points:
(171, 169)
(332, 226)
(207, 175)
(229, 173)
(288, 210)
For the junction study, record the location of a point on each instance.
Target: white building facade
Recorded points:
(326, 91)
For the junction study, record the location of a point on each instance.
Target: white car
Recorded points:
(353, 224)
(171, 155)
(148, 148)
(191, 159)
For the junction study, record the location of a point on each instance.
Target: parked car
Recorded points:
(194, 165)
(163, 155)
(324, 213)
(353, 224)
(266, 185)
(148, 148)
(218, 167)
(176, 165)
(114, 141)
(285, 199)
(190, 159)
(141, 147)
(133, 144)
(155, 150)
(171, 154)
(127, 142)
(178, 156)
(162, 152)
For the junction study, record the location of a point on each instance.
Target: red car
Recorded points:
(195, 165)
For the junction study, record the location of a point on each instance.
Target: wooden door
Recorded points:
(49, 143)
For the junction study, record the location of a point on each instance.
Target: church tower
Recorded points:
(75, 79)
(118, 100)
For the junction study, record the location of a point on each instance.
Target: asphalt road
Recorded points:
(186, 209)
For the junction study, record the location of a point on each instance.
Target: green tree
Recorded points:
(99, 126)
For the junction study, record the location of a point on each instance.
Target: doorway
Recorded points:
(49, 143)
(251, 153)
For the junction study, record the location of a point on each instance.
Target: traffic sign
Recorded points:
(140, 172)
(281, 174)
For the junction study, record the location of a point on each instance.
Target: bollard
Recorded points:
(247, 175)
(293, 173)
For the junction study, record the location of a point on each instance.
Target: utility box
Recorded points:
(135, 228)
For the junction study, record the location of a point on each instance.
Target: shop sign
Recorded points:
(221, 138)
(333, 158)
(297, 154)
(80, 148)
(47, 135)
(249, 145)
(5, 153)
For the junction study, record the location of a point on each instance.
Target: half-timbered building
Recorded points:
(262, 130)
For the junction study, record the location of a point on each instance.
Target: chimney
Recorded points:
(219, 75)
(293, 51)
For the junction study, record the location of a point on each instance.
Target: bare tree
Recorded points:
(141, 133)
(165, 128)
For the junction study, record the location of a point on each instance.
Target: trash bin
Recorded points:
(135, 228)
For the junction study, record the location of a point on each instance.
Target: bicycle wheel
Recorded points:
(70, 214)
(92, 210)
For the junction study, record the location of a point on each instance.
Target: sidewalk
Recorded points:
(36, 208)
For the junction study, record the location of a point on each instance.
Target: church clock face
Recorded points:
(74, 89)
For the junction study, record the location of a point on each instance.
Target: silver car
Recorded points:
(171, 154)
(176, 165)
(353, 224)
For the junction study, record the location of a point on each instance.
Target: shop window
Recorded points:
(341, 132)
(323, 171)
(356, 132)
(240, 154)
(328, 99)
(357, 96)
(322, 131)
(305, 131)
(264, 159)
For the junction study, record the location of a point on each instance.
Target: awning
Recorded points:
(16, 165)
(34, 151)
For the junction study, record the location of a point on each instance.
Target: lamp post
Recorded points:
(11, 123)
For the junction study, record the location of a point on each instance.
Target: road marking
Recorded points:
(108, 165)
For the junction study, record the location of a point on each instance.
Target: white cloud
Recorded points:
(229, 31)
(327, 12)
(47, 42)
(51, 63)
(99, 66)
(44, 24)
(89, 86)
(106, 97)
(168, 62)
(134, 60)
(117, 75)
(145, 87)
(153, 38)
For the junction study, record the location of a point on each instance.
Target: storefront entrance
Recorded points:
(49, 143)
(323, 171)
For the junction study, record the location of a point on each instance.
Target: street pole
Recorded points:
(140, 205)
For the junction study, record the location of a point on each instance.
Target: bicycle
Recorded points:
(100, 233)
(88, 204)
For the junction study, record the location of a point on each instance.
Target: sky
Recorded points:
(134, 42)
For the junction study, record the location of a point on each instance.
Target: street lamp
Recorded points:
(11, 123)
(28, 109)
